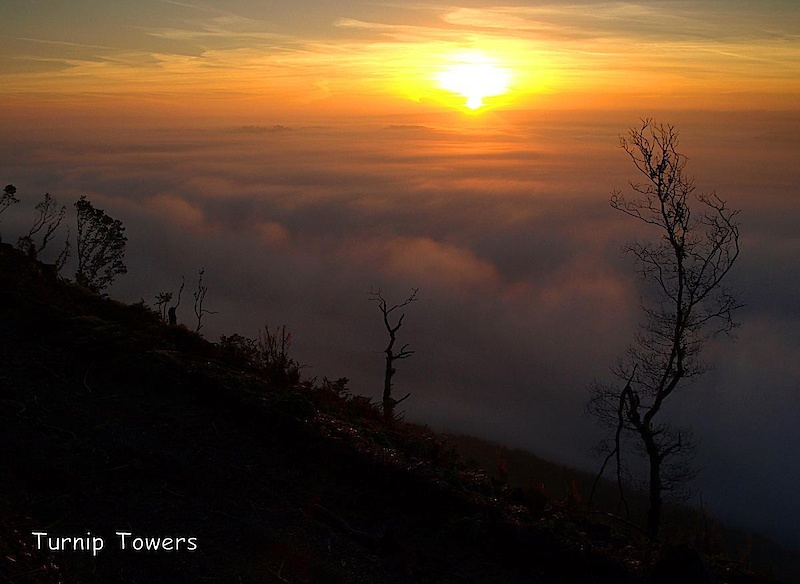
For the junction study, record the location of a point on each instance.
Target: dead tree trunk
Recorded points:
(390, 402)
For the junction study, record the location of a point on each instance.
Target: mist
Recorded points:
(504, 226)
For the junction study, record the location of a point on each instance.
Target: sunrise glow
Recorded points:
(185, 60)
(474, 76)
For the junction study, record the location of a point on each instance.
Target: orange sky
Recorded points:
(243, 58)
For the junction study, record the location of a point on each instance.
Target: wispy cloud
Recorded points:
(634, 50)
(63, 43)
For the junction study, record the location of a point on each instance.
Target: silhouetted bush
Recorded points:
(268, 355)
(335, 395)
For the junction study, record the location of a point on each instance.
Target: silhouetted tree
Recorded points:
(389, 402)
(100, 246)
(698, 244)
(199, 298)
(7, 199)
(65, 253)
(48, 217)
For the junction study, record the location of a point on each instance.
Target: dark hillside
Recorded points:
(681, 523)
(112, 421)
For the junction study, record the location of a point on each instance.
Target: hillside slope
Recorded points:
(111, 421)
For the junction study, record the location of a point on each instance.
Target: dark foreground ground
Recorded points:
(112, 421)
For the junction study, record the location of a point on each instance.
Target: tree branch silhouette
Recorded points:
(697, 246)
(389, 403)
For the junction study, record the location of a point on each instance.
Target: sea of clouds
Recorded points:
(504, 226)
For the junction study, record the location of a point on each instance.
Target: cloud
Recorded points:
(505, 228)
(356, 57)
(273, 234)
(427, 260)
(252, 129)
(179, 212)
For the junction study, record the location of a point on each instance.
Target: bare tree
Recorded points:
(199, 298)
(48, 217)
(65, 253)
(389, 402)
(101, 246)
(697, 246)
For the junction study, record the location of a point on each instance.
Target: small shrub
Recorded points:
(238, 350)
(267, 355)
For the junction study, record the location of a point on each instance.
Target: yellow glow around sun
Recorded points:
(474, 76)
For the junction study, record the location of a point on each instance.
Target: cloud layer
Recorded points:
(503, 225)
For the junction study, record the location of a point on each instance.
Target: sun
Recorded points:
(474, 76)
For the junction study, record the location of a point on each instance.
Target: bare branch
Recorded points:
(697, 246)
(389, 402)
(48, 217)
(199, 298)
